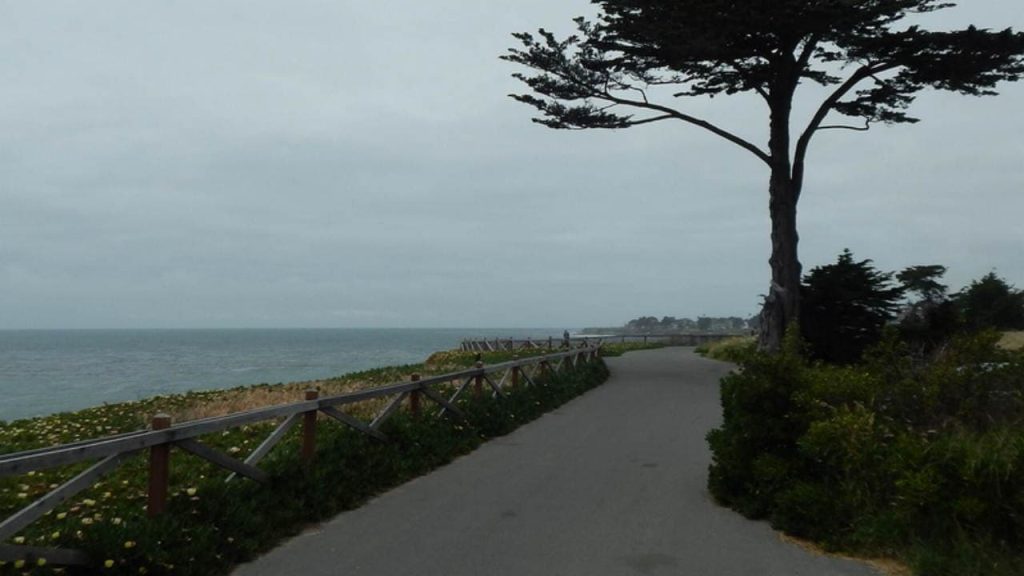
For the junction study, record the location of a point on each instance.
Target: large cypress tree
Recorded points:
(871, 60)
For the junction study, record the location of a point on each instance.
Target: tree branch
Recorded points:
(865, 128)
(649, 120)
(807, 52)
(672, 113)
(800, 153)
(606, 95)
(642, 93)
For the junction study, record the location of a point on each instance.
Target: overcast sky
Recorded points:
(350, 164)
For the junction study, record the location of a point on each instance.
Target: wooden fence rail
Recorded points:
(549, 343)
(109, 452)
(552, 343)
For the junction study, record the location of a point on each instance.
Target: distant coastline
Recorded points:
(670, 325)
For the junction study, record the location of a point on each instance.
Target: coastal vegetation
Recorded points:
(211, 525)
(906, 441)
(733, 349)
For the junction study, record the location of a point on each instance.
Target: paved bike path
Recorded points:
(612, 483)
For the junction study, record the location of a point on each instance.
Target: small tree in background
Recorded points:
(845, 307)
(991, 303)
(933, 318)
(924, 280)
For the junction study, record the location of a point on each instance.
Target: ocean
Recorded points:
(48, 371)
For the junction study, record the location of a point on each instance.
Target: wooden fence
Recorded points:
(549, 343)
(554, 343)
(110, 451)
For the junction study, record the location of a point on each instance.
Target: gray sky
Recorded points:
(335, 164)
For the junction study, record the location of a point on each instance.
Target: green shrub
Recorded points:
(808, 510)
(762, 424)
(923, 460)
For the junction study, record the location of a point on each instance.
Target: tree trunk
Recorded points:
(782, 303)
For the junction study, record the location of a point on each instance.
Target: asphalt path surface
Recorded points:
(612, 483)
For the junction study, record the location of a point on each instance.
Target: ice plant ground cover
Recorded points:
(212, 525)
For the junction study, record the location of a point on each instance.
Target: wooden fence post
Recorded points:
(309, 429)
(515, 372)
(159, 469)
(414, 397)
(551, 344)
(478, 381)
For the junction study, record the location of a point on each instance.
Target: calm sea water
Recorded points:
(47, 371)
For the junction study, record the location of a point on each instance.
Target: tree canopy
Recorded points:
(924, 280)
(847, 305)
(766, 47)
(639, 58)
(991, 302)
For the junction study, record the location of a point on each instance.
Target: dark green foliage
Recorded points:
(929, 321)
(992, 303)
(923, 461)
(753, 450)
(929, 325)
(707, 47)
(643, 324)
(845, 307)
(924, 281)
